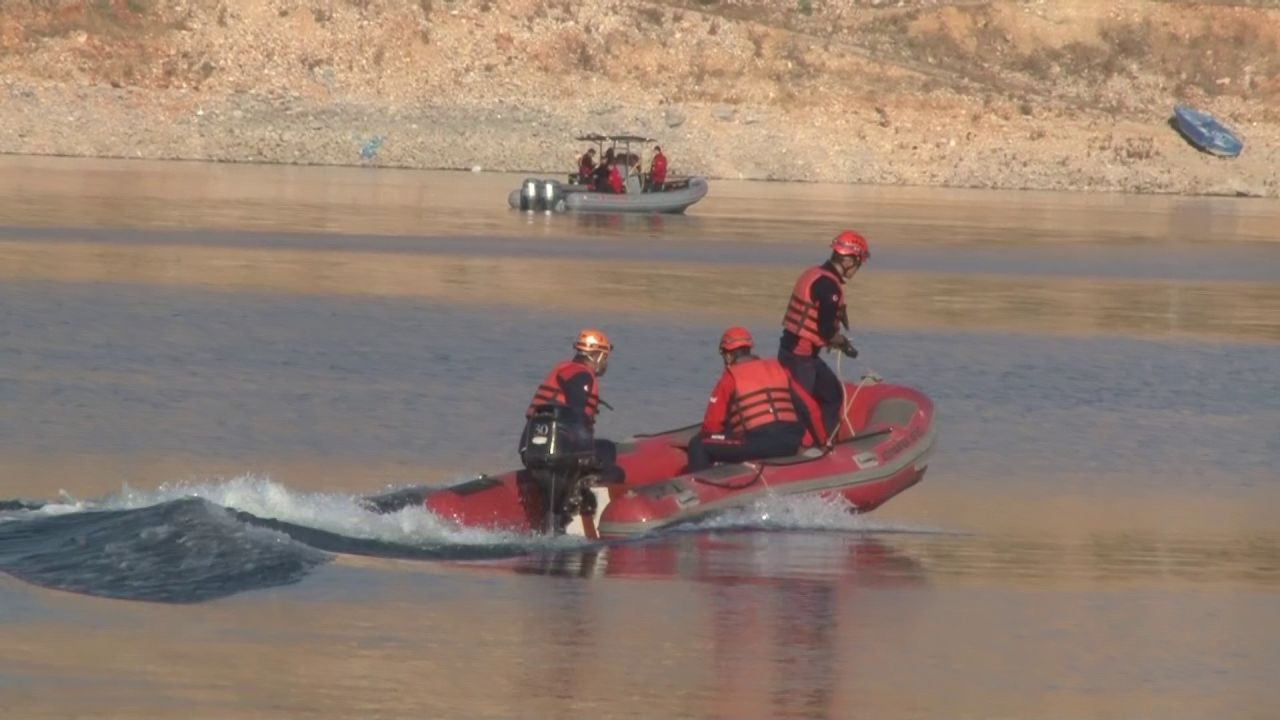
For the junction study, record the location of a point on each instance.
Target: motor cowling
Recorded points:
(551, 195)
(529, 195)
(556, 439)
(558, 450)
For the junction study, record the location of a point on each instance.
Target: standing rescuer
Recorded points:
(815, 315)
(755, 411)
(657, 170)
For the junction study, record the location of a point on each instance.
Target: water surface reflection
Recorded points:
(1095, 537)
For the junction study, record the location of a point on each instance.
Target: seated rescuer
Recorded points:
(600, 176)
(615, 179)
(755, 411)
(574, 384)
(814, 316)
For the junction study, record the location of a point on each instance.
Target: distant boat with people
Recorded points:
(616, 184)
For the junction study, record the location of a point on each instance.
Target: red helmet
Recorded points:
(592, 340)
(851, 244)
(735, 338)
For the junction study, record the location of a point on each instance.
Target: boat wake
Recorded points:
(800, 513)
(192, 542)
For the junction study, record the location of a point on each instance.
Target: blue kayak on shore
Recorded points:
(1207, 134)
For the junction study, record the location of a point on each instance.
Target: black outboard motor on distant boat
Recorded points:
(529, 196)
(558, 450)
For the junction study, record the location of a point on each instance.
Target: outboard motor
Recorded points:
(529, 195)
(558, 450)
(550, 194)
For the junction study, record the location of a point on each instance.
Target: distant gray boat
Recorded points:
(552, 195)
(545, 195)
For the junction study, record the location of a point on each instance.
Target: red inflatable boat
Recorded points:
(882, 449)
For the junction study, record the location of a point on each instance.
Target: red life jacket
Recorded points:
(550, 391)
(801, 318)
(761, 395)
(615, 179)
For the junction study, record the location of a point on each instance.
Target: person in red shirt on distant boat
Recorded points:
(756, 410)
(657, 170)
(615, 178)
(813, 320)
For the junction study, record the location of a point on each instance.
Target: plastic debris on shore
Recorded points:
(370, 147)
(1205, 133)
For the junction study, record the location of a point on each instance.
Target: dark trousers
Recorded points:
(812, 374)
(773, 440)
(607, 463)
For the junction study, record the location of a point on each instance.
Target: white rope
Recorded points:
(846, 401)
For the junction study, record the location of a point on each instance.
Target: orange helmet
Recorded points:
(735, 338)
(853, 245)
(592, 340)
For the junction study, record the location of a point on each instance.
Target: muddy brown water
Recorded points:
(1095, 537)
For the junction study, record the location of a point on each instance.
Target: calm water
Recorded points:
(201, 366)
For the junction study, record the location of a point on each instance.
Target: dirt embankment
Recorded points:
(1031, 94)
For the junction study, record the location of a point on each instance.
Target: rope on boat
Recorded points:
(846, 400)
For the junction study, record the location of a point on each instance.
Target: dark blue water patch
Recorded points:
(1172, 411)
(372, 547)
(15, 505)
(1028, 373)
(181, 551)
(120, 370)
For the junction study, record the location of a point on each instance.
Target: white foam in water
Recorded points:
(64, 505)
(800, 512)
(341, 514)
(336, 513)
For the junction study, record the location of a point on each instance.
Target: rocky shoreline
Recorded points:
(905, 127)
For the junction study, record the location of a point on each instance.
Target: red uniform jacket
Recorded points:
(658, 169)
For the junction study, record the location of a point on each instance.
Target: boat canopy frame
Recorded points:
(626, 139)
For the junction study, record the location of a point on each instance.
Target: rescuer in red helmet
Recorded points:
(558, 444)
(574, 383)
(755, 411)
(815, 316)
